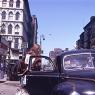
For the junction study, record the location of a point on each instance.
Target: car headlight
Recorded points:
(74, 93)
(23, 80)
(89, 92)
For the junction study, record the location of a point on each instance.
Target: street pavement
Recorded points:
(9, 87)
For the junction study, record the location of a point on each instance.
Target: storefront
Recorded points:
(3, 48)
(3, 54)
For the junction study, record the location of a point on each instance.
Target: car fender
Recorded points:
(70, 86)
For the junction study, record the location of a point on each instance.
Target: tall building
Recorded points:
(87, 38)
(15, 26)
(55, 52)
(34, 28)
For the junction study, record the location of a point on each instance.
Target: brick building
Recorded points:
(87, 38)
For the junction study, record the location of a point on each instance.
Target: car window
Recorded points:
(79, 61)
(41, 64)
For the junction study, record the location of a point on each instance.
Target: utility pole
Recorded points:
(9, 72)
(42, 38)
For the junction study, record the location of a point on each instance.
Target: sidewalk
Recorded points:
(9, 88)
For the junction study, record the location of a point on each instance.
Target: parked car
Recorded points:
(72, 73)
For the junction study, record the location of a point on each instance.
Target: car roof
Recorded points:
(77, 51)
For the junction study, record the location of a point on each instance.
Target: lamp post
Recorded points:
(10, 38)
(9, 72)
(24, 47)
(41, 38)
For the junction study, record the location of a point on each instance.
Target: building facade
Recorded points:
(34, 28)
(87, 38)
(15, 26)
(3, 49)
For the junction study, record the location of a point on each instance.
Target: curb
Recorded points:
(2, 81)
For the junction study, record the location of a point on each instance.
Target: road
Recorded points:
(9, 87)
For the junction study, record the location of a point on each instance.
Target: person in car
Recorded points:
(35, 51)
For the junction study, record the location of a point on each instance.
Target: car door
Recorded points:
(41, 81)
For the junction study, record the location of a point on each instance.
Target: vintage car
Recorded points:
(71, 73)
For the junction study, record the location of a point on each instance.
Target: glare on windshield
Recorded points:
(79, 61)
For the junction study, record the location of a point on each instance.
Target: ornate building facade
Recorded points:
(15, 26)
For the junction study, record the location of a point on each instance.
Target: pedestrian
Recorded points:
(22, 66)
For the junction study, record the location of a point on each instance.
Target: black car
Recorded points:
(71, 73)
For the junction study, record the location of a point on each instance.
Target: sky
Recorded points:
(61, 21)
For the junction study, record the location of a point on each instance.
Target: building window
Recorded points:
(18, 3)
(16, 43)
(17, 16)
(4, 0)
(16, 33)
(17, 28)
(3, 28)
(11, 3)
(3, 15)
(10, 15)
(10, 29)
(4, 3)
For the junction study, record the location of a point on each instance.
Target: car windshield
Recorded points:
(81, 61)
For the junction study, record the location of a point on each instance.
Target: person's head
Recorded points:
(20, 58)
(36, 50)
(33, 53)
